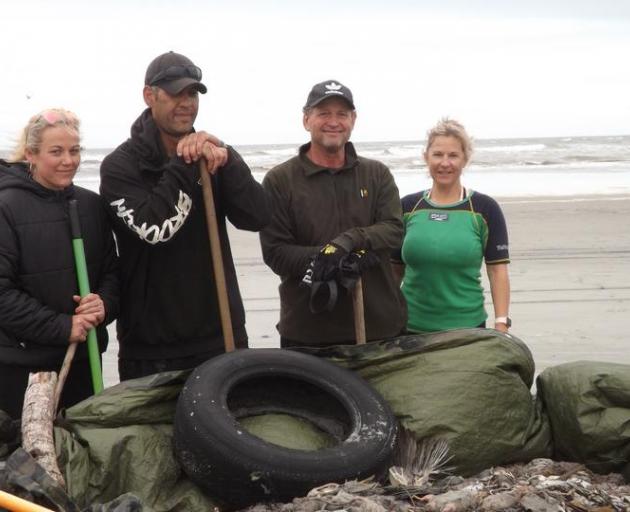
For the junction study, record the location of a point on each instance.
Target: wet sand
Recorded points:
(570, 278)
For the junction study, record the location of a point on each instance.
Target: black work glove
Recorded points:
(327, 261)
(320, 277)
(354, 264)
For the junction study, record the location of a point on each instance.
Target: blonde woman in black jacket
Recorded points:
(40, 309)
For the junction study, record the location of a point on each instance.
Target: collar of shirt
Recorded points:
(311, 168)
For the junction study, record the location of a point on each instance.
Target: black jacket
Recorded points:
(169, 305)
(37, 269)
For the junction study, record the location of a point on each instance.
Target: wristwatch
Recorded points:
(503, 320)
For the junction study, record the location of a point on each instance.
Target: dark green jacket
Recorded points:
(357, 207)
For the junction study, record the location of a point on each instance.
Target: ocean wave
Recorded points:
(513, 148)
(287, 152)
(477, 163)
(534, 159)
(406, 151)
(537, 163)
(594, 158)
(374, 153)
(98, 156)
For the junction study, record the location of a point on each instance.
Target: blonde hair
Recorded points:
(31, 136)
(450, 128)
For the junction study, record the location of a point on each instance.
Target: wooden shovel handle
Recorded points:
(63, 373)
(217, 258)
(16, 504)
(359, 313)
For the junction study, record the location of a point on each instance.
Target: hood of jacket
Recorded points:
(146, 142)
(16, 176)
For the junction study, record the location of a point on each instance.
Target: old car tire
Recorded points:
(238, 468)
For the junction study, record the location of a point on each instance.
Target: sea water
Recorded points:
(561, 167)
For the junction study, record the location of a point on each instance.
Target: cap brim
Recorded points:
(176, 86)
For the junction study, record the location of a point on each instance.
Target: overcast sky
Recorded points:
(540, 68)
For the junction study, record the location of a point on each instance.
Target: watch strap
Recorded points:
(503, 320)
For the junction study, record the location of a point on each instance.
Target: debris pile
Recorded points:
(543, 485)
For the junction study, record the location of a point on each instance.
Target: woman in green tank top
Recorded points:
(449, 232)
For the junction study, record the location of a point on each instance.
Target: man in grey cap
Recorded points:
(150, 184)
(335, 214)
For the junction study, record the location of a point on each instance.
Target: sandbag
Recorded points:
(588, 404)
(470, 387)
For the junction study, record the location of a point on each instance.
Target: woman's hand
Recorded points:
(500, 326)
(91, 304)
(81, 325)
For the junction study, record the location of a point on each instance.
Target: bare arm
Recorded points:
(500, 291)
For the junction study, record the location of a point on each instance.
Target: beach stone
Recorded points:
(451, 501)
(500, 501)
(503, 478)
(308, 505)
(534, 503)
(552, 483)
(540, 466)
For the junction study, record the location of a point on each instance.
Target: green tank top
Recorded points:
(443, 251)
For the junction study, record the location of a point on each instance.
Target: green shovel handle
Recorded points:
(84, 289)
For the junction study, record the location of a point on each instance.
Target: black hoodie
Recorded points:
(169, 305)
(37, 270)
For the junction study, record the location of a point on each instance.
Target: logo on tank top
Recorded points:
(438, 217)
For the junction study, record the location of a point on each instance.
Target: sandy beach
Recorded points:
(570, 278)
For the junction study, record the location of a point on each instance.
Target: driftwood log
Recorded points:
(38, 414)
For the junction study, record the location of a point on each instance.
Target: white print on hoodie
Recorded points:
(155, 233)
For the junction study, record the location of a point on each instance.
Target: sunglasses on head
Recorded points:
(54, 116)
(175, 72)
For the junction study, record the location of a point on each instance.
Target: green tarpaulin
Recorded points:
(121, 442)
(470, 387)
(588, 404)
